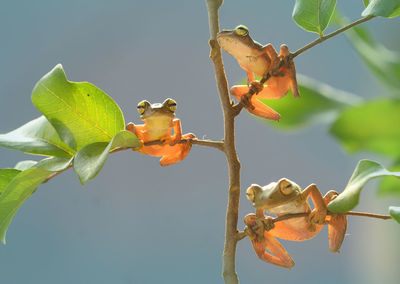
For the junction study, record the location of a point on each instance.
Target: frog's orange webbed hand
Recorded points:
(337, 225)
(257, 107)
(278, 256)
(138, 130)
(178, 152)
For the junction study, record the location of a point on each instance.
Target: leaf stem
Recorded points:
(332, 34)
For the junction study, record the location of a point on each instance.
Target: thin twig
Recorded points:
(246, 97)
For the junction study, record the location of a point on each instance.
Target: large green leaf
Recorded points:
(17, 191)
(313, 15)
(318, 102)
(365, 170)
(90, 159)
(81, 113)
(6, 175)
(383, 8)
(391, 185)
(19, 186)
(36, 137)
(372, 126)
(395, 213)
(384, 63)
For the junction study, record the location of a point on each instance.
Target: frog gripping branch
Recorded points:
(264, 62)
(155, 134)
(286, 197)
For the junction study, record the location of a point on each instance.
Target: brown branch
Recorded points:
(245, 98)
(241, 235)
(229, 254)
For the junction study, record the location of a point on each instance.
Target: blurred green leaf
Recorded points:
(391, 185)
(313, 15)
(90, 159)
(366, 2)
(318, 102)
(365, 170)
(6, 175)
(24, 165)
(81, 113)
(384, 63)
(36, 137)
(372, 126)
(395, 213)
(16, 192)
(383, 8)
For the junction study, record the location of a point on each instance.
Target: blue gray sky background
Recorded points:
(140, 223)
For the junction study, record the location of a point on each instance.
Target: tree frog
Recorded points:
(155, 134)
(259, 60)
(286, 197)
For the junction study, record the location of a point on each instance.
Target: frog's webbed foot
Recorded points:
(254, 227)
(337, 225)
(317, 217)
(256, 87)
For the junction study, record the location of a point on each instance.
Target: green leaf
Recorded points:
(24, 165)
(395, 213)
(382, 62)
(372, 126)
(90, 159)
(17, 191)
(6, 175)
(318, 102)
(36, 137)
(81, 113)
(383, 8)
(390, 185)
(313, 15)
(366, 2)
(365, 170)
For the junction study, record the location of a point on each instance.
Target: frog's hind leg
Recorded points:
(178, 152)
(337, 225)
(256, 107)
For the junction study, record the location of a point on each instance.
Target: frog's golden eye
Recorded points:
(141, 107)
(286, 187)
(242, 30)
(171, 104)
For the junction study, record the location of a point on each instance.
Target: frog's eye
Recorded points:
(141, 107)
(242, 30)
(250, 194)
(171, 104)
(286, 187)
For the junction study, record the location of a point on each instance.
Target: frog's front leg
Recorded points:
(177, 127)
(289, 69)
(138, 130)
(268, 248)
(317, 216)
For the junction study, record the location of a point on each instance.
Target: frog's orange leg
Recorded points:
(270, 51)
(289, 70)
(177, 136)
(260, 109)
(317, 216)
(138, 130)
(337, 225)
(178, 152)
(279, 255)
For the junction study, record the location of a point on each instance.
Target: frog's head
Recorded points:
(274, 194)
(237, 42)
(157, 110)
